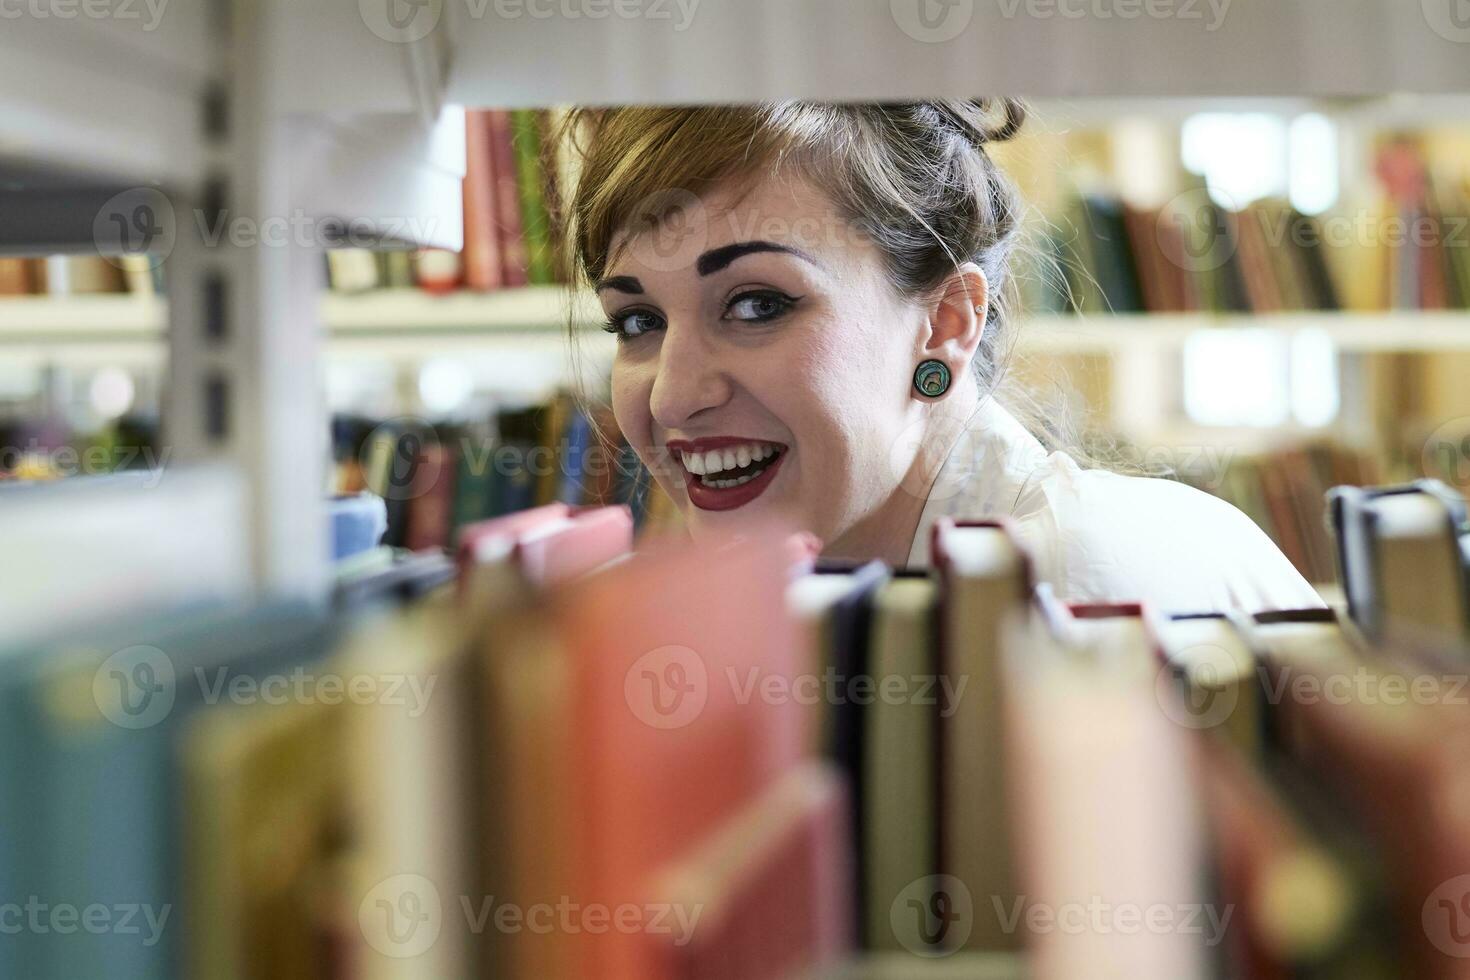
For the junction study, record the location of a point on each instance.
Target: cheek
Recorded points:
(630, 391)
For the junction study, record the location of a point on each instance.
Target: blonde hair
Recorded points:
(914, 177)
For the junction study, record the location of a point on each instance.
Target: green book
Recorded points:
(531, 177)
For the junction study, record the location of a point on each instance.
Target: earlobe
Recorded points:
(932, 378)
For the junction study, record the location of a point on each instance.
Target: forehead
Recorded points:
(786, 209)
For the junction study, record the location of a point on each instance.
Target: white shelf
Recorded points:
(407, 323)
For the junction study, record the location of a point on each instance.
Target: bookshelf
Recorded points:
(412, 323)
(373, 140)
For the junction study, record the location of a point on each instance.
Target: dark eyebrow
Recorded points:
(718, 258)
(623, 284)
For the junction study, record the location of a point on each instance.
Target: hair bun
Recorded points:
(983, 121)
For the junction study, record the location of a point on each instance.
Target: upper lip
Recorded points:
(716, 442)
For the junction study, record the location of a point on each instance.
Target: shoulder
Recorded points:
(1106, 536)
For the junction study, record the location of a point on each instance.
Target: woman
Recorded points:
(810, 305)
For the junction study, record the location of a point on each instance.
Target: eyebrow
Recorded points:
(719, 258)
(623, 284)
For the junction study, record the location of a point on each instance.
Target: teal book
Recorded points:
(102, 718)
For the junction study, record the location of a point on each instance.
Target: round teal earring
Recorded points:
(932, 379)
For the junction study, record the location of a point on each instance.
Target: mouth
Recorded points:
(727, 472)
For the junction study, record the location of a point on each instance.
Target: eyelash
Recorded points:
(615, 324)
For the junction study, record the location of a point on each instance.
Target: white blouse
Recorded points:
(1098, 536)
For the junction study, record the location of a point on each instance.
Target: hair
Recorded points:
(914, 177)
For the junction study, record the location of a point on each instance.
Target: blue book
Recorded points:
(101, 719)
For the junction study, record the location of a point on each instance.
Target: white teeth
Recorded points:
(718, 460)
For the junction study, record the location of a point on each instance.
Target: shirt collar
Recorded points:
(983, 476)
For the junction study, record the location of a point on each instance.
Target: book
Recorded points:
(483, 265)
(1222, 693)
(1105, 810)
(900, 825)
(783, 859)
(985, 579)
(527, 128)
(1402, 562)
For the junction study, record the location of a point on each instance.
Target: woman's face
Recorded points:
(764, 363)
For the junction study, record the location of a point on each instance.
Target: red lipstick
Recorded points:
(707, 497)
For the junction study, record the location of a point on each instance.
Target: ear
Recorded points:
(957, 317)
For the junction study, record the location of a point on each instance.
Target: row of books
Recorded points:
(515, 184)
(438, 478)
(80, 275)
(567, 758)
(1409, 249)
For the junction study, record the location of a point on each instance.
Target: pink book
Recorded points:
(507, 202)
(482, 262)
(493, 539)
(559, 551)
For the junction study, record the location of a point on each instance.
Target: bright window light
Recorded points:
(445, 384)
(111, 392)
(1315, 398)
(1236, 378)
(1315, 181)
(1242, 156)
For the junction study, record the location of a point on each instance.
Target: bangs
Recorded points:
(640, 165)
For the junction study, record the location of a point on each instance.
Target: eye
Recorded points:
(633, 323)
(759, 306)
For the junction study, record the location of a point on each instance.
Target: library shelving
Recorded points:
(413, 323)
(274, 108)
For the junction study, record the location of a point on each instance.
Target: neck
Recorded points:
(887, 533)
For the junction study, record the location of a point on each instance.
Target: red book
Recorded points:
(673, 730)
(768, 888)
(431, 500)
(507, 204)
(483, 268)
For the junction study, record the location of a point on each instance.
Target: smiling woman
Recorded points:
(812, 307)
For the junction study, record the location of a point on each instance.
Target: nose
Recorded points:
(690, 378)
